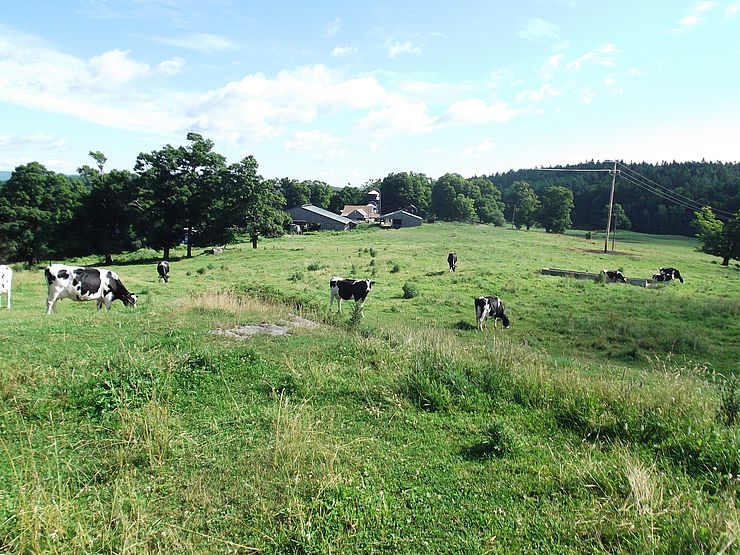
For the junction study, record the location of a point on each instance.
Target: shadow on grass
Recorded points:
(465, 326)
(480, 451)
(434, 274)
(149, 260)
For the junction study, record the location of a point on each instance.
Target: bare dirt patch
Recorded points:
(240, 333)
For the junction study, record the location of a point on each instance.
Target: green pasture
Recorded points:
(602, 420)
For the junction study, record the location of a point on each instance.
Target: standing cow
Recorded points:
(349, 290)
(163, 269)
(452, 261)
(85, 284)
(669, 274)
(490, 307)
(6, 280)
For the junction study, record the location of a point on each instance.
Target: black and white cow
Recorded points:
(490, 307)
(349, 290)
(163, 269)
(85, 284)
(670, 273)
(613, 276)
(6, 280)
(452, 261)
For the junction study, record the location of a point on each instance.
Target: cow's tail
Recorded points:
(49, 276)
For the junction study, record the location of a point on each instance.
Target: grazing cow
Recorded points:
(613, 276)
(6, 280)
(85, 284)
(452, 261)
(490, 307)
(671, 273)
(163, 269)
(349, 290)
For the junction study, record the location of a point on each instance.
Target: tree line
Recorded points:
(190, 194)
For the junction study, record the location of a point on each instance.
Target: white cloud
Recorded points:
(200, 42)
(111, 70)
(399, 117)
(476, 111)
(333, 27)
(396, 48)
(603, 55)
(694, 17)
(38, 140)
(587, 97)
(310, 140)
(343, 51)
(543, 32)
(732, 10)
(548, 69)
(545, 91)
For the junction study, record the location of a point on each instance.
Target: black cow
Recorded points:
(671, 273)
(163, 269)
(452, 261)
(613, 276)
(349, 290)
(490, 307)
(85, 284)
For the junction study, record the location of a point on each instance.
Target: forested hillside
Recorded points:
(698, 183)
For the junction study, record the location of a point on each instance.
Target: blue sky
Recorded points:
(345, 92)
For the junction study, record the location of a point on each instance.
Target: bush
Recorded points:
(373, 252)
(395, 269)
(410, 290)
(313, 267)
(296, 276)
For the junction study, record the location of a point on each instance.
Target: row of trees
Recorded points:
(175, 193)
(190, 193)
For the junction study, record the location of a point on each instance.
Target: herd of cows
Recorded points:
(104, 286)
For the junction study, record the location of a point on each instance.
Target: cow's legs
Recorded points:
(51, 303)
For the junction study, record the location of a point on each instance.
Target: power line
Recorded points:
(568, 170)
(668, 189)
(664, 196)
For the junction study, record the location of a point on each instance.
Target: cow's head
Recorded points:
(130, 300)
(505, 320)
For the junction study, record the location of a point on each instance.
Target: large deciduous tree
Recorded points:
(557, 203)
(399, 190)
(108, 213)
(525, 204)
(296, 193)
(34, 205)
(176, 186)
(718, 238)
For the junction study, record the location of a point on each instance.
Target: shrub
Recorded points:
(373, 252)
(313, 267)
(296, 276)
(210, 266)
(410, 290)
(395, 269)
(201, 271)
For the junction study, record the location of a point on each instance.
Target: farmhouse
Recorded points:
(310, 217)
(400, 218)
(360, 212)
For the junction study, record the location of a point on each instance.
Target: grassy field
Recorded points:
(603, 420)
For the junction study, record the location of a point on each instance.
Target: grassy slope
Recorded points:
(136, 430)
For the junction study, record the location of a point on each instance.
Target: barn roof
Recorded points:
(325, 213)
(399, 213)
(366, 209)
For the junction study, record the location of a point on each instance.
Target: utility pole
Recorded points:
(611, 205)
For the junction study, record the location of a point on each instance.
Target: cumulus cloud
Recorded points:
(200, 42)
(399, 117)
(310, 140)
(395, 48)
(343, 51)
(476, 111)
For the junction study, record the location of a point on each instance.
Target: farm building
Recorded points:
(360, 212)
(310, 217)
(400, 218)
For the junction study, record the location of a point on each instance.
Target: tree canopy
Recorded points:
(718, 238)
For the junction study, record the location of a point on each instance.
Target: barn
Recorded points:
(400, 218)
(360, 212)
(310, 217)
